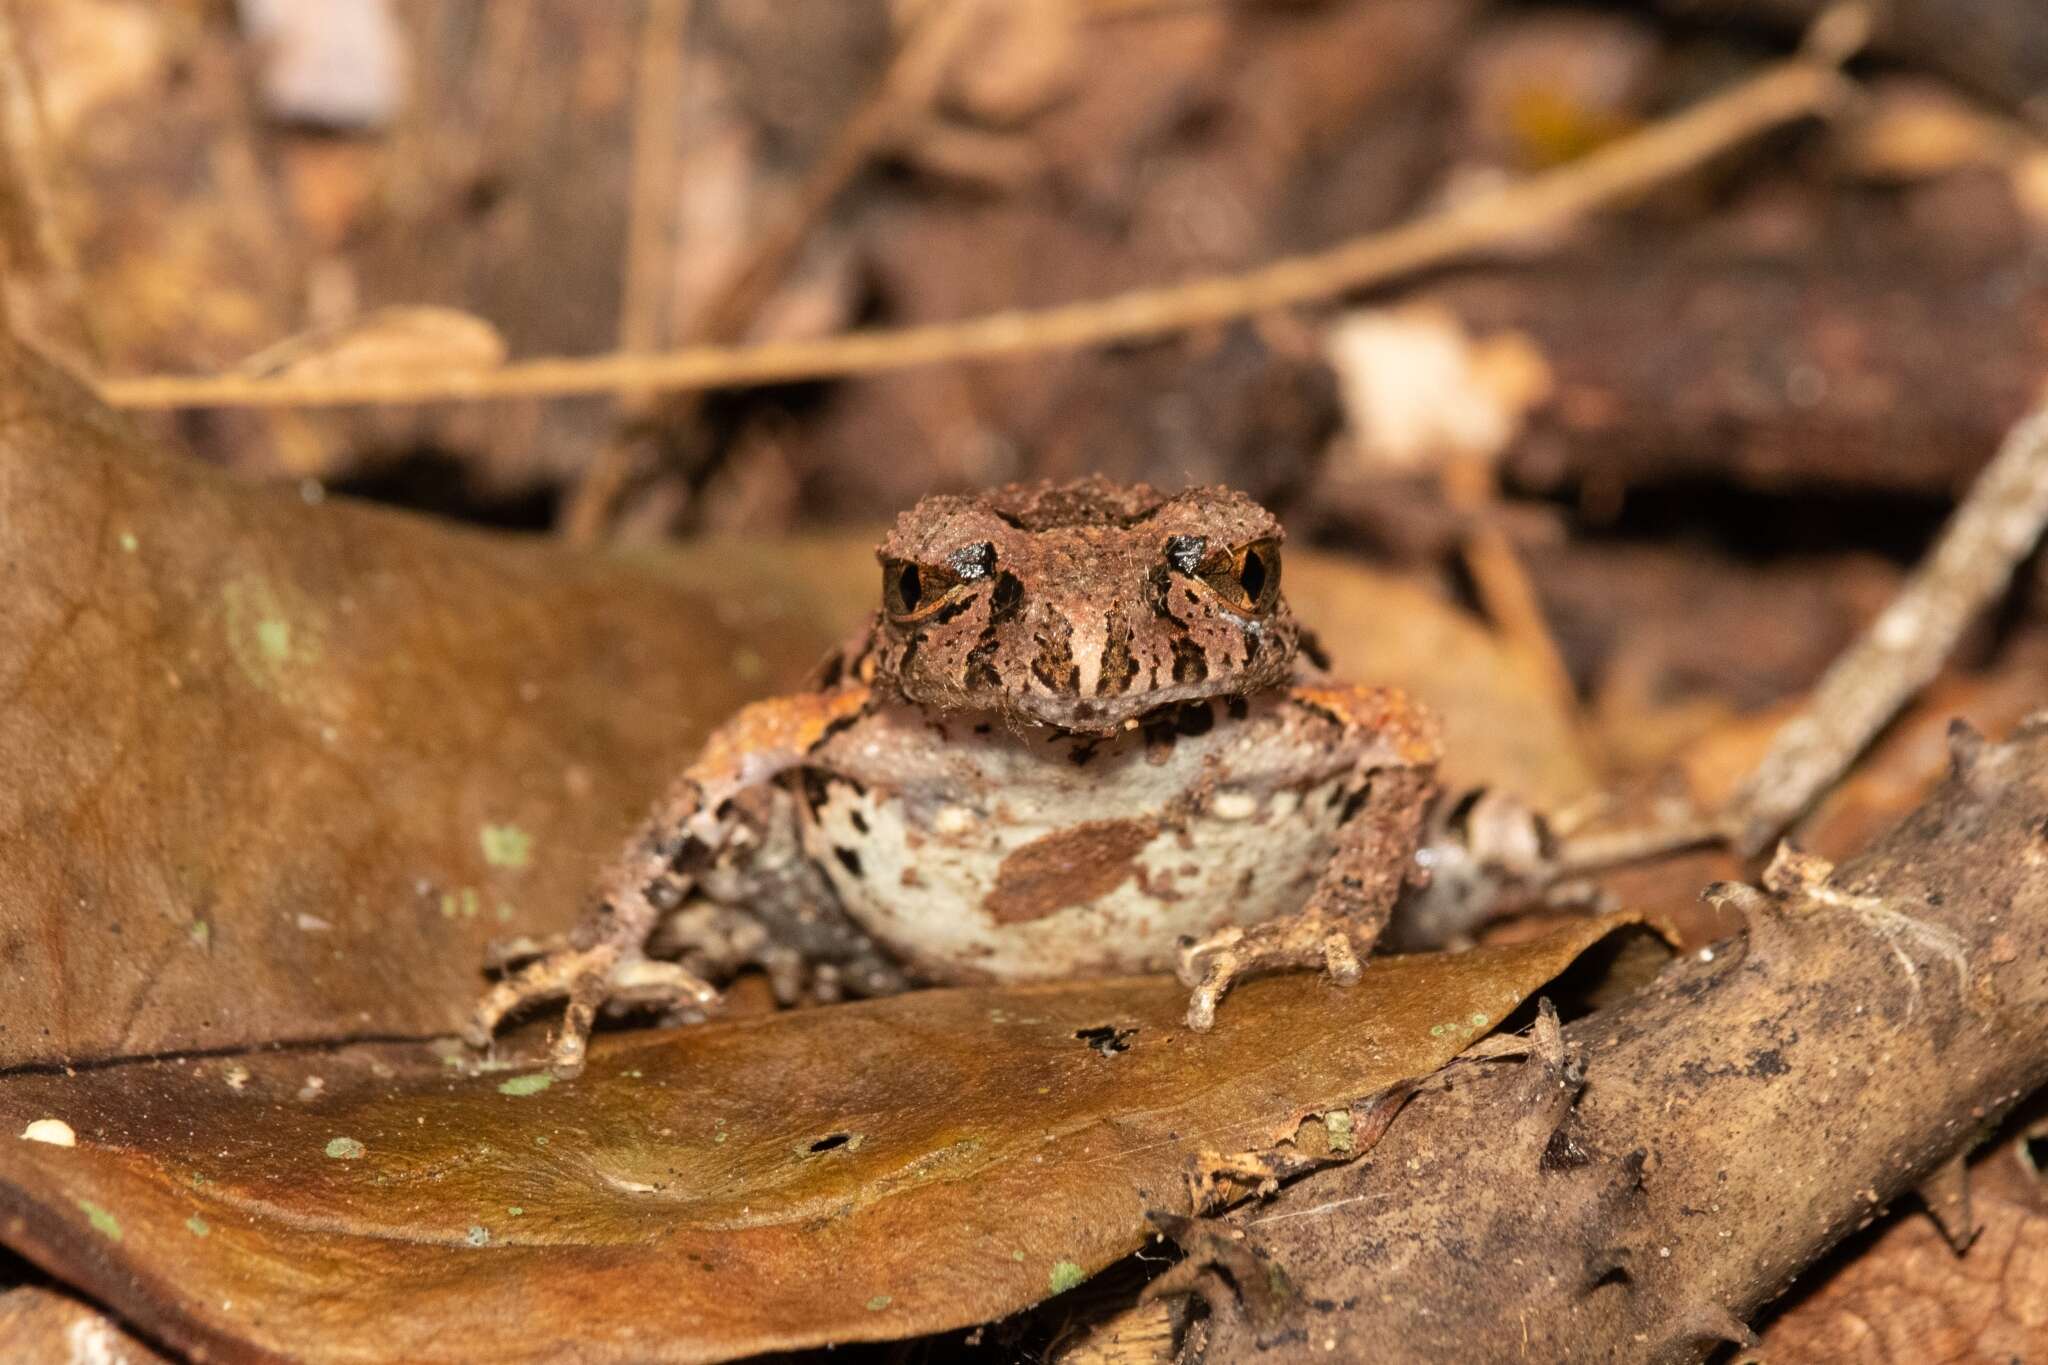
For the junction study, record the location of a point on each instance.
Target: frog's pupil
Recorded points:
(1253, 575)
(908, 590)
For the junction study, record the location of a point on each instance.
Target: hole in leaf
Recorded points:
(1107, 1039)
(830, 1142)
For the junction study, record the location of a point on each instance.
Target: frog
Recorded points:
(1082, 734)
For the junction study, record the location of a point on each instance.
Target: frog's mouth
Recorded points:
(1102, 717)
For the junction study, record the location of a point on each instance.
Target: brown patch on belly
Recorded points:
(1067, 868)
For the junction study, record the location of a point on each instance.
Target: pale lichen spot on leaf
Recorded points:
(1064, 1276)
(506, 846)
(198, 1226)
(345, 1149)
(103, 1221)
(530, 1084)
(879, 1302)
(1470, 1026)
(478, 1236)
(272, 642)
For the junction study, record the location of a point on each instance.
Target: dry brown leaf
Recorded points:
(1907, 1297)
(271, 771)
(861, 1172)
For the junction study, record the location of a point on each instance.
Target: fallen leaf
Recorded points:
(275, 771)
(862, 1172)
(1906, 1295)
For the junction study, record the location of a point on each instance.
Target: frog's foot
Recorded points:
(589, 979)
(1211, 964)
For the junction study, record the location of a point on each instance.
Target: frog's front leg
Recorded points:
(1372, 860)
(604, 959)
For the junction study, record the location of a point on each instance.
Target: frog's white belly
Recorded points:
(993, 856)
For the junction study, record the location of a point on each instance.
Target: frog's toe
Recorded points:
(638, 981)
(1223, 967)
(1197, 955)
(575, 973)
(1211, 964)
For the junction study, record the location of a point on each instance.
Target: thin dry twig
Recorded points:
(1994, 528)
(657, 102)
(907, 87)
(1619, 171)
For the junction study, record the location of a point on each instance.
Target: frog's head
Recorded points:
(1081, 605)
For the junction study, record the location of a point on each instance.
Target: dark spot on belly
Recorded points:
(860, 822)
(1189, 665)
(1238, 707)
(1066, 868)
(848, 859)
(815, 789)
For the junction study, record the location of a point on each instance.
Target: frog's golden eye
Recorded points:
(902, 587)
(1248, 577)
(913, 591)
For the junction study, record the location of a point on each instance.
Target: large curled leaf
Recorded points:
(865, 1171)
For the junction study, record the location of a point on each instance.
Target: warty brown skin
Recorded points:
(1134, 600)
